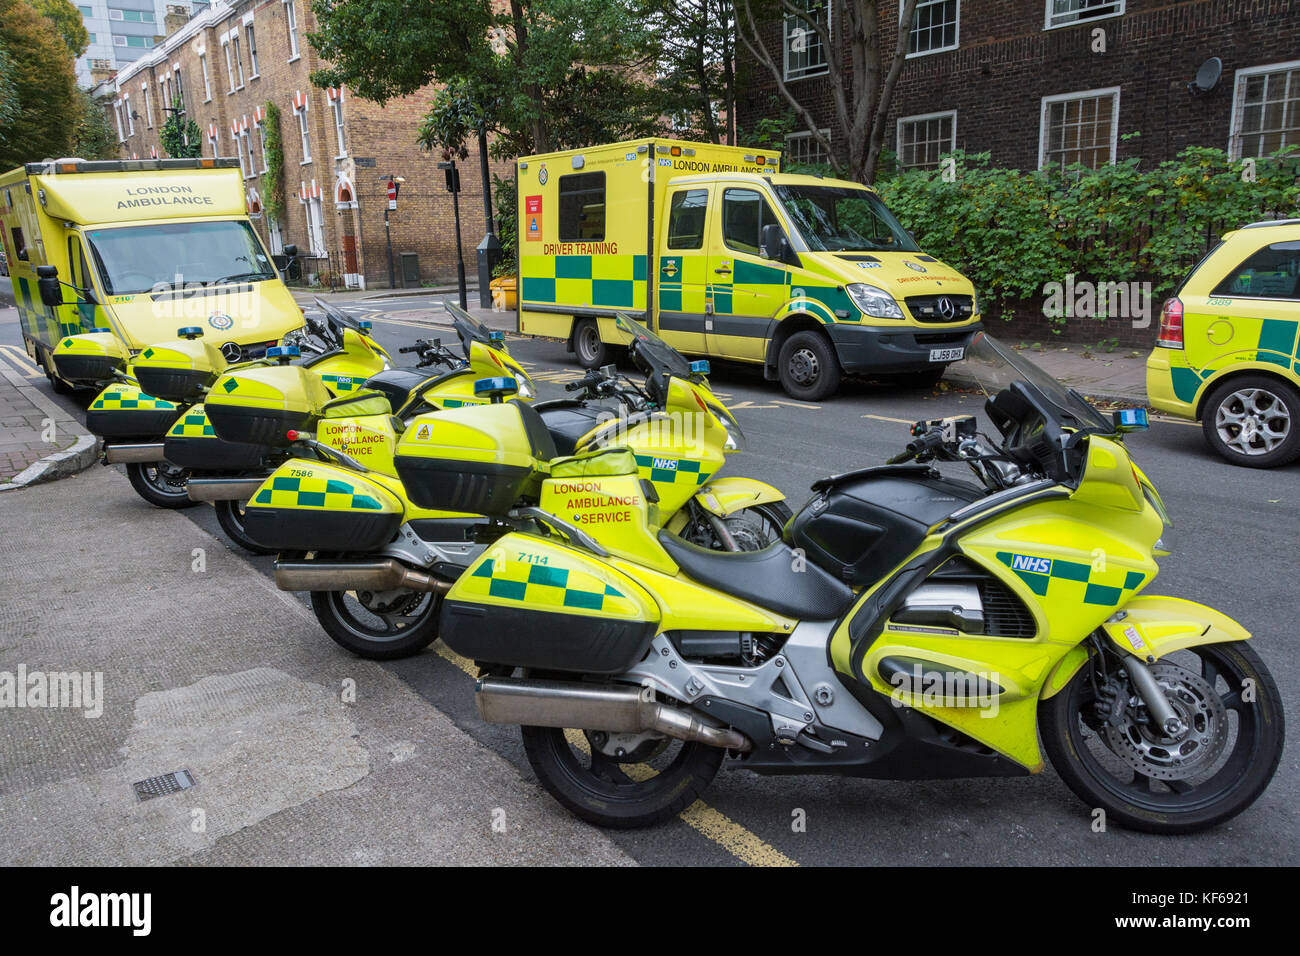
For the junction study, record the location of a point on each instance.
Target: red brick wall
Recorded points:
(1006, 62)
(423, 221)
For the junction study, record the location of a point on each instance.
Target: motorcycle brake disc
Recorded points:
(1196, 748)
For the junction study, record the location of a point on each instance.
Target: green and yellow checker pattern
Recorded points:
(613, 281)
(1275, 344)
(193, 424)
(671, 471)
(547, 587)
(1073, 580)
(127, 397)
(454, 402)
(317, 492)
(338, 384)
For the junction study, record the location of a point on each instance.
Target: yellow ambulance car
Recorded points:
(141, 247)
(1226, 354)
(724, 256)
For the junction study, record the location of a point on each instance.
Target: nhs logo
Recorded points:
(665, 464)
(1025, 562)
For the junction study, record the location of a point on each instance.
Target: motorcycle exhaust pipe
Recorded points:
(620, 710)
(124, 453)
(386, 574)
(222, 489)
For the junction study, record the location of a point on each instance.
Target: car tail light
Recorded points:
(1171, 325)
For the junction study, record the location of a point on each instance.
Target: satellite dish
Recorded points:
(1207, 77)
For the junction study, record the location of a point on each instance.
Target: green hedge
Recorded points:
(1011, 232)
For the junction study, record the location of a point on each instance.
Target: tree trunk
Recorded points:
(541, 139)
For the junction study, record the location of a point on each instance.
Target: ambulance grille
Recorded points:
(940, 308)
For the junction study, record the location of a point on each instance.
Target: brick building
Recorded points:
(1034, 82)
(224, 65)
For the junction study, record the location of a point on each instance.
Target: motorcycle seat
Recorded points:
(767, 578)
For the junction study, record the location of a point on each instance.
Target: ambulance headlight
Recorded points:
(874, 302)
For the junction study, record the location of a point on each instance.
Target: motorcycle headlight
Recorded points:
(874, 302)
(735, 440)
(525, 388)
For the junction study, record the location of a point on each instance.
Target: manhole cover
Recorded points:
(167, 783)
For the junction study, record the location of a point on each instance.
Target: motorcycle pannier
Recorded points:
(862, 527)
(314, 506)
(193, 443)
(479, 459)
(124, 411)
(260, 405)
(89, 357)
(179, 371)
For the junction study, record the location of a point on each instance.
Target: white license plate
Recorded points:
(946, 355)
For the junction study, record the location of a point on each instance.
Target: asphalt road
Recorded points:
(1233, 538)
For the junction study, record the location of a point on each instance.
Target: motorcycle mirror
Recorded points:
(609, 371)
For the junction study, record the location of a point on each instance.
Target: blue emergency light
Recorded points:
(1131, 419)
(283, 352)
(189, 332)
(700, 367)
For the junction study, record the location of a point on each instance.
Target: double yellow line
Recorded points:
(740, 842)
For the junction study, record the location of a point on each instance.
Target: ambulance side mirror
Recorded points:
(47, 282)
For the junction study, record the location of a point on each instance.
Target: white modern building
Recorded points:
(122, 30)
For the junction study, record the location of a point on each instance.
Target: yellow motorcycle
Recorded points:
(143, 396)
(912, 625)
(383, 543)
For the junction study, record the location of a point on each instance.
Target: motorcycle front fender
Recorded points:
(1151, 627)
(726, 496)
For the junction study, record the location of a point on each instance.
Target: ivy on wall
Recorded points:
(273, 178)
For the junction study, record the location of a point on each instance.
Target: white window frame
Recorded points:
(252, 47)
(315, 209)
(939, 49)
(338, 125)
(118, 36)
(130, 120)
(921, 118)
(239, 60)
(1078, 21)
(119, 16)
(1239, 100)
(788, 155)
(239, 154)
(291, 23)
(148, 105)
(785, 47)
(180, 87)
(230, 69)
(216, 145)
(1080, 95)
(304, 133)
(117, 114)
(261, 136)
(207, 82)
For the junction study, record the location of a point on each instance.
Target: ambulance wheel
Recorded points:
(591, 351)
(1253, 420)
(162, 484)
(378, 625)
(230, 515)
(808, 367)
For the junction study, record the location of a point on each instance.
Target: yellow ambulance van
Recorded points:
(724, 256)
(141, 247)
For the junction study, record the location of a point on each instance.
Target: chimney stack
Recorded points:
(175, 18)
(101, 70)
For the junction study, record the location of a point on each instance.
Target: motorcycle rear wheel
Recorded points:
(230, 515)
(1245, 762)
(377, 635)
(161, 484)
(619, 794)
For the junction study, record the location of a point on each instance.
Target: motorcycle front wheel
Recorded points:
(1212, 771)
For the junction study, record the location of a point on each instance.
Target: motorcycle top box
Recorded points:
(180, 370)
(260, 405)
(90, 357)
(478, 460)
(124, 411)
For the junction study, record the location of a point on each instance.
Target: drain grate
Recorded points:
(164, 785)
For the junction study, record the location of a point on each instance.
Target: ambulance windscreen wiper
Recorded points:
(243, 276)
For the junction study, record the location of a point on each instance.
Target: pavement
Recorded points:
(301, 752)
(39, 439)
